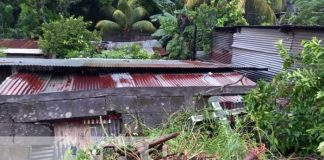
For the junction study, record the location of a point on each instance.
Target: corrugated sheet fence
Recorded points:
(222, 47)
(257, 46)
(42, 153)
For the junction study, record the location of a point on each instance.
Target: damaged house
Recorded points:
(67, 101)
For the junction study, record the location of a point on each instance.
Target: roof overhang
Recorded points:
(125, 65)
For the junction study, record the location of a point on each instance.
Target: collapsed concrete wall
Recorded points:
(22, 117)
(152, 105)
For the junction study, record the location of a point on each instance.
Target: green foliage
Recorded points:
(143, 26)
(309, 12)
(66, 35)
(321, 148)
(168, 27)
(2, 54)
(29, 20)
(178, 48)
(83, 154)
(8, 21)
(23, 18)
(205, 17)
(166, 5)
(190, 4)
(132, 52)
(128, 16)
(288, 59)
(259, 12)
(210, 137)
(290, 109)
(107, 26)
(219, 14)
(277, 5)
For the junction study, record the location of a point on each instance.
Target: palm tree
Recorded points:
(262, 11)
(125, 17)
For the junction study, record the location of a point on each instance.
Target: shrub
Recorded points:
(132, 52)
(210, 137)
(2, 54)
(290, 109)
(67, 35)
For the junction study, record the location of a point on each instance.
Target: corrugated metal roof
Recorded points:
(18, 43)
(119, 63)
(283, 27)
(31, 83)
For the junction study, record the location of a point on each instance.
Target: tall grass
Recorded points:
(210, 137)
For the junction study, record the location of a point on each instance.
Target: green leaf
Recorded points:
(120, 17)
(139, 13)
(143, 26)
(320, 95)
(107, 26)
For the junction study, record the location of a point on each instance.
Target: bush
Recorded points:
(65, 36)
(210, 137)
(220, 14)
(203, 15)
(290, 109)
(308, 13)
(2, 54)
(132, 52)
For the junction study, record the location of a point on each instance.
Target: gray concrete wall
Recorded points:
(22, 117)
(14, 152)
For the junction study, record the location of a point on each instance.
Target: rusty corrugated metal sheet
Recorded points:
(231, 102)
(29, 84)
(23, 84)
(18, 43)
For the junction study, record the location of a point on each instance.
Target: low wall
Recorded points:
(23, 117)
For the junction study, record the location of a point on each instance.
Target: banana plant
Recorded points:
(125, 17)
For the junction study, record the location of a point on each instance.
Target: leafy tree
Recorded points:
(67, 35)
(309, 12)
(190, 4)
(168, 5)
(168, 27)
(127, 16)
(8, 21)
(219, 14)
(277, 5)
(290, 109)
(205, 17)
(259, 12)
(29, 20)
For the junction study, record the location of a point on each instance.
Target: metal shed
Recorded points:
(256, 45)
